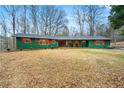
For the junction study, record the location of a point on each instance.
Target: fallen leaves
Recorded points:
(62, 68)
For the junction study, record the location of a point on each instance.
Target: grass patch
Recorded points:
(121, 56)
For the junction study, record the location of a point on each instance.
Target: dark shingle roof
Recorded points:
(63, 37)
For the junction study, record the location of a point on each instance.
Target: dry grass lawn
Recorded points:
(62, 68)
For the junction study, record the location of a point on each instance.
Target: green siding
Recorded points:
(34, 45)
(92, 45)
(22, 45)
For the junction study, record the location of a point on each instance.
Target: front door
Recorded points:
(62, 43)
(84, 43)
(76, 43)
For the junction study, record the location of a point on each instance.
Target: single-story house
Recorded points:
(26, 41)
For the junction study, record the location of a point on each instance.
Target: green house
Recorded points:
(27, 41)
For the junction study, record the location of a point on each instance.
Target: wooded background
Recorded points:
(52, 21)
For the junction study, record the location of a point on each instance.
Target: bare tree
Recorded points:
(101, 29)
(52, 20)
(47, 15)
(22, 20)
(94, 14)
(34, 17)
(80, 16)
(60, 21)
(4, 29)
(63, 32)
(12, 11)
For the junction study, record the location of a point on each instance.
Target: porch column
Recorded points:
(66, 43)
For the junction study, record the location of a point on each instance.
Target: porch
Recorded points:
(73, 43)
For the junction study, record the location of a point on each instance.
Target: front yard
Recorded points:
(62, 68)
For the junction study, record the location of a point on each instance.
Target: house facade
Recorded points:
(27, 41)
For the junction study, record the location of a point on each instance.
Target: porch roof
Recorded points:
(63, 37)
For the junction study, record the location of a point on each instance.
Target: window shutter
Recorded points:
(95, 42)
(103, 42)
(24, 39)
(49, 41)
(30, 40)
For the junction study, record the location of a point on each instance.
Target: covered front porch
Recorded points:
(73, 43)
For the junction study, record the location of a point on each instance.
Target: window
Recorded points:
(42, 41)
(53, 41)
(39, 41)
(102, 42)
(27, 40)
(50, 41)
